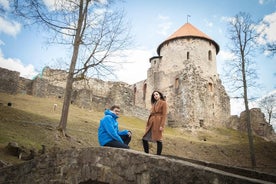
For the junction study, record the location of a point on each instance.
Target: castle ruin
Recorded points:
(184, 71)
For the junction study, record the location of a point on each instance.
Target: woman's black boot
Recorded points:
(159, 147)
(146, 146)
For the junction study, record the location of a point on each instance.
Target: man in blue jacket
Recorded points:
(108, 131)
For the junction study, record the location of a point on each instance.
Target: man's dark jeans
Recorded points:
(118, 144)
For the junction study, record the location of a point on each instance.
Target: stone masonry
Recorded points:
(259, 125)
(9, 81)
(116, 166)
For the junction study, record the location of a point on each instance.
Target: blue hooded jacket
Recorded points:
(108, 129)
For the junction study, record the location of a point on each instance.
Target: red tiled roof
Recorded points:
(188, 30)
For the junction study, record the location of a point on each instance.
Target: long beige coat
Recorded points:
(157, 119)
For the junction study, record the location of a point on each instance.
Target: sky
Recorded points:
(23, 48)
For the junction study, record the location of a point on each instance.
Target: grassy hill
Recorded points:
(31, 122)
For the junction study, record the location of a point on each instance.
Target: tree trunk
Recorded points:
(248, 119)
(250, 138)
(70, 78)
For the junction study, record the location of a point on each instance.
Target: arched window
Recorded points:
(188, 55)
(210, 87)
(210, 55)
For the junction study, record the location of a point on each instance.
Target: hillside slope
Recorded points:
(32, 121)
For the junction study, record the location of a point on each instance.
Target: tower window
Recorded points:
(210, 87)
(209, 55)
(135, 91)
(201, 122)
(188, 55)
(144, 91)
(176, 83)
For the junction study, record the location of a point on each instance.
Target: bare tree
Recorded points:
(89, 28)
(242, 73)
(268, 105)
(271, 48)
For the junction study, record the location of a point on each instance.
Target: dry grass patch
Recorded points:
(31, 122)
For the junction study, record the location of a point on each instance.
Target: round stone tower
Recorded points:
(188, 43)
(185, 71)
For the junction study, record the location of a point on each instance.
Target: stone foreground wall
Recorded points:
(111, 165)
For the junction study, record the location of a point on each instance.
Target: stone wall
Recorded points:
(24, 86)
(111, 165)
(8, 81)
(90, 93)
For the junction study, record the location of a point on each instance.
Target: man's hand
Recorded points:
(129, 133)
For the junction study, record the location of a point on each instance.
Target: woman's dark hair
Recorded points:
(153, 99)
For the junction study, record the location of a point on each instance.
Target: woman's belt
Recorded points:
(156, 114)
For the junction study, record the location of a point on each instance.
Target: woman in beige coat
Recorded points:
(156, 122)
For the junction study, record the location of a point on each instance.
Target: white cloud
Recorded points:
(16, 65)
(227, 19)
(9, 27)
(164, 26)
(225, 56)
(133, 67)
(262, 2)
(163, 18)
(270, 29)
(208, 23)
(237, 106)
(4, 4)
(267, 29)
(59, 5)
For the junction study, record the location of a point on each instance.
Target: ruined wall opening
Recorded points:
(188, 55)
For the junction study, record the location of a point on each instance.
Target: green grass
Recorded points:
(32, 122)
